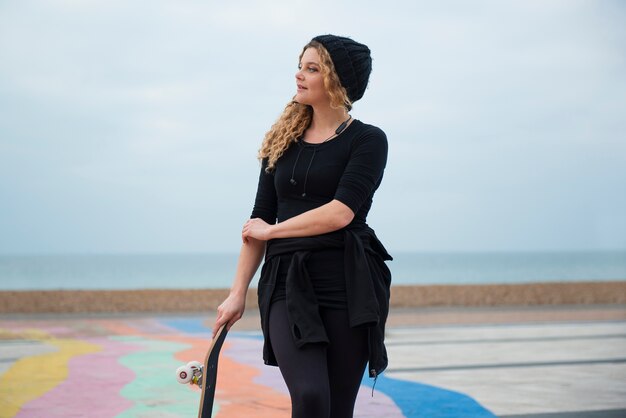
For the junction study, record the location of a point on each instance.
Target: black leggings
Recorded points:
(323, 380)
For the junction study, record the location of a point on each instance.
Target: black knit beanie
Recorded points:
(352, 62)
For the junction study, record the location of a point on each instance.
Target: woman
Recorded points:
(324, 286)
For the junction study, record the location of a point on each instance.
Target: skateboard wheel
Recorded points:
(184, 374)
(195, 365)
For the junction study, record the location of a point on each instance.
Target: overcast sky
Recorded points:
(133, 126)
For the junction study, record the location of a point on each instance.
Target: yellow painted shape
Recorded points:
(30, 377)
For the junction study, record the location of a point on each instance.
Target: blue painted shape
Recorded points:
(193, 325)
(417, 400)
(246, 335)
(197, 326)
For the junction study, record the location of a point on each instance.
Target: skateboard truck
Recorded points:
(190, 373)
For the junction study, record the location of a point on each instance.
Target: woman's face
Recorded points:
(309, 80)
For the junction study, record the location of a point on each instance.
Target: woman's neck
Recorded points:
(327, 119)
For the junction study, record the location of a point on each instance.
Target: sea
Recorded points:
(216, 270)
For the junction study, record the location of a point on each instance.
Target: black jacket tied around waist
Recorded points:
(368, 282)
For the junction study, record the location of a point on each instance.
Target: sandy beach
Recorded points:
(202, 300)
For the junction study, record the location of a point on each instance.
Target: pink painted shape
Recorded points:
(92, 387)
(145, 326)
(57, 331)
(248, 351)
(380, 405)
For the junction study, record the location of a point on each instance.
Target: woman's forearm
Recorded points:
(250, 258)
(327, 218)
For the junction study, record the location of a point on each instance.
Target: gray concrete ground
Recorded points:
(552, 362)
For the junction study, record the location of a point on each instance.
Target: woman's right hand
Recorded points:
(230, 311)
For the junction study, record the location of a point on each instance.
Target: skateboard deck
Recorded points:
(204, 374)
(209, 373)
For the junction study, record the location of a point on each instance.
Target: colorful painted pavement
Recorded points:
(125, 368)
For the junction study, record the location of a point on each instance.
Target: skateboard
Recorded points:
(204, 375)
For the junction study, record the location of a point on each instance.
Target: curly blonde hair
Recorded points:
(296, 117)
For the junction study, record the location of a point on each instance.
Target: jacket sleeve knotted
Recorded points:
(302, 309)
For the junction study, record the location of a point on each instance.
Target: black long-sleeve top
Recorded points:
(348, 168)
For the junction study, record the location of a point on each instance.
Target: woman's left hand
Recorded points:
(255, 228)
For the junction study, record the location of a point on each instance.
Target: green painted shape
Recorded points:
(155, 391)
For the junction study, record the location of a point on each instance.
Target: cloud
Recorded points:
(501, 117)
